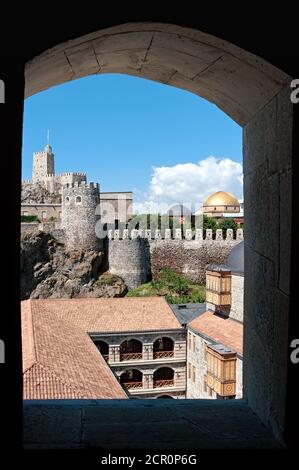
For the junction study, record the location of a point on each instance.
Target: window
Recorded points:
(193, 373)
(221, 370)
(44, 215)
(67, 200)
(189, 341)
(205, 352)
(189, 370)
(78, 199)
(193, 343)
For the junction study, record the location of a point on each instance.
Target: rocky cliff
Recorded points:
(38, 194)
(48, 271)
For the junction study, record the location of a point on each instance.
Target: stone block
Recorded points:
(46, 423)
(285, 227)
(259, 138)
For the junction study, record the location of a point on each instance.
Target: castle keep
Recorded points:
(43, 172)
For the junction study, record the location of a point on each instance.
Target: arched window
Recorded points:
(131, 379)
(163, 377)
(67, 200)
(130, 350)
(78, 199)
(163, 347)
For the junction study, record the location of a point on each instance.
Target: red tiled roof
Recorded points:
(111, 315)
(59, 358)
(222, 330)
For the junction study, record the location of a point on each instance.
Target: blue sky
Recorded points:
(129, 133)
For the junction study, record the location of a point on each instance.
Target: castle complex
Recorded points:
(133, 348)
(46, 203)
(82, 216)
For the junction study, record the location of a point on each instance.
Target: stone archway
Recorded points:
(257, 96)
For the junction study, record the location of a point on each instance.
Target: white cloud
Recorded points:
(189, 183)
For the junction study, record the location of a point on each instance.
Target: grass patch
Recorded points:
(173, 286)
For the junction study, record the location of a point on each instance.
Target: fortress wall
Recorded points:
(138, 259)
(189, 258)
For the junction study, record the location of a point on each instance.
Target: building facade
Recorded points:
(147, 364)
(215, 337)
(223, 205)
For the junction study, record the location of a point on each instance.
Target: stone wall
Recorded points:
(44, 212)
(268, 214)
(137, 257)
(237, 297)
(188, 257)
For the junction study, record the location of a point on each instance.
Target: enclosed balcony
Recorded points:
(163, 348)
(163, 377)
(131, 350)
(103, 349)
(131, 379)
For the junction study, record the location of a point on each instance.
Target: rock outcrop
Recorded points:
(38, 194)
(48, 271)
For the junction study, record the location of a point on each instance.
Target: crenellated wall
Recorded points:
(137, 257)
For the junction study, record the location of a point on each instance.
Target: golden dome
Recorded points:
(221, 198)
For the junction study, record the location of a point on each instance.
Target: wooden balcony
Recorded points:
(131, 356)
(129, 385)
(163, 354)
(164, 383)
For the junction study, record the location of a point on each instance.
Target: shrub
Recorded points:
(29, 218)
(225, 224)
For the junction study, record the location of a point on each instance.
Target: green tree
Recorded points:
(224, 224)
(209, 223)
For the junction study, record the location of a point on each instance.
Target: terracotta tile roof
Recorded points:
(111, 315)
(59, 358)
(222, 330)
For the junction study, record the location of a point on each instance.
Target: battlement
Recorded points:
(81, 184)
(27, 182)
(39, 154)
(50, 175)
(71, 174)
(189, 235)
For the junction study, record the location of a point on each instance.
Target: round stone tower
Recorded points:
(130, 259)
(78, 218)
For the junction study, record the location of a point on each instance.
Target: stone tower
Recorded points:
(130, 259)
(78, 218)
(43, 165)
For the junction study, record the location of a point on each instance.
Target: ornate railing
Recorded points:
(106, 357)
(132, 384)
(130, 356)
(164, 383)
(162, 354)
